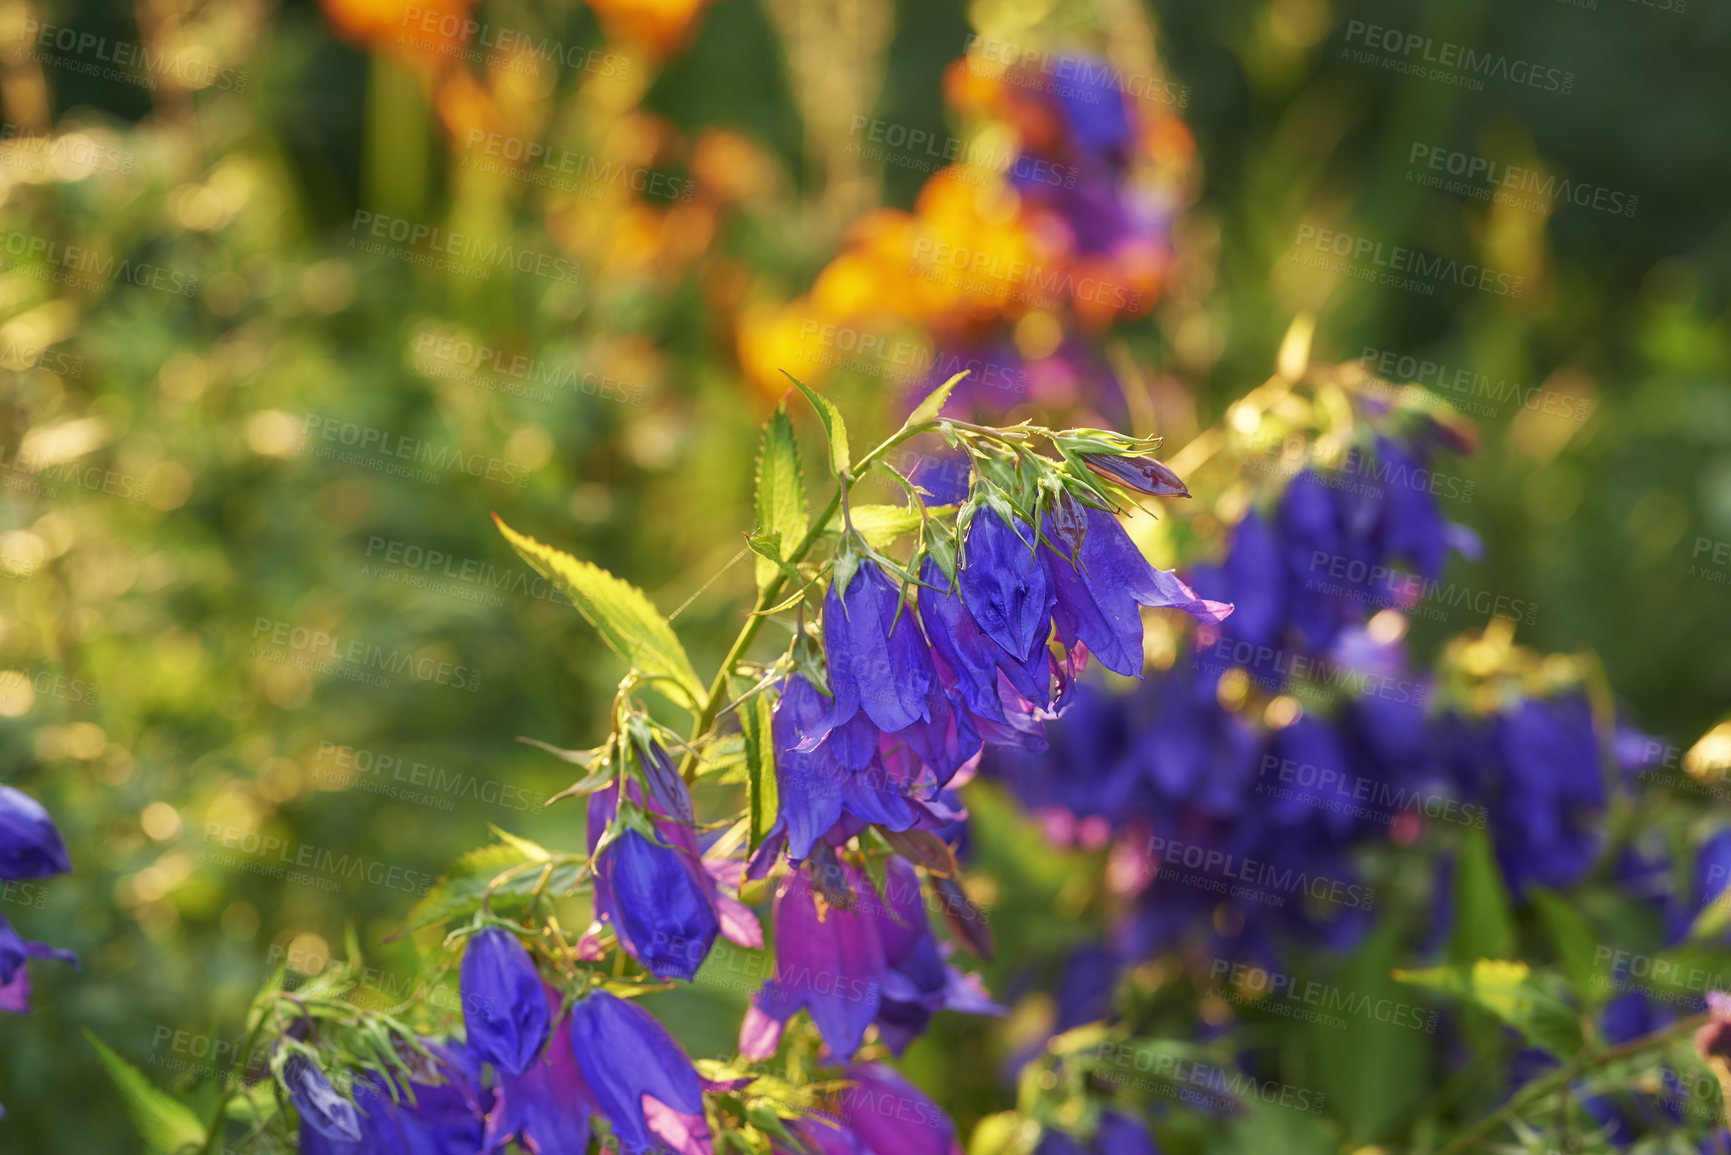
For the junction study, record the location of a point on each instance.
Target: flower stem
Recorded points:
(1560, 1079)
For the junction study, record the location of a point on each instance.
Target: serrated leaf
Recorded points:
(165, 1123)
(460, 893)
(625, 617)
(533, 851)
(928, 409)
(762, 797)
(881, 525)
(781, 512)
(834, 428)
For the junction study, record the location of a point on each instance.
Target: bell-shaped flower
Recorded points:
(917, 981)
(893, 1117)
(504, 1011)
(545, 1109)
(440, 1113)
(637, 1073)
(654, 891)
(879, 665)
(828, 961)
(974, 659)
(814, 790)
(1099, 589)
(30, 846)
(1007, 592)
(15, 974)
(323, 1110)
(818, 1135)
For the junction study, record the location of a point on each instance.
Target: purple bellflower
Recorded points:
(546, 1109)
(893, 1117)
(1100, 587)
(879, 666)
(14, 974)
(504, 1012)
(30, 846)
(657, 894)
(829, 962)
(323, 1111)
(1004, 590)
(637, 1073)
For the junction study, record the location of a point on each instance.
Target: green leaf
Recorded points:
(928, 409)
(627, 620)
(460, 893)
(1575, 942)
(165, 1123)
(1511, 991)
(1376, 1065)
(781, 512)
(881, 525)
(755, 719)
(533, 851)
(1484, 922)
(833, 427)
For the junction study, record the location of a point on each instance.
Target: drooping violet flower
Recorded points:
(893, 1117)
(14, 974)
(973, 657)
(917, 981)
(1007, 593)
(1100, 588)
(657, 895)
(624, 1054)
(30, 846)
(829, 962)
(814, 790)
(439, 1113)
(322, 1110)
(546, 1109)
(504, 1012)
(879, 665)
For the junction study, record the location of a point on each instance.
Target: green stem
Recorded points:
(1561, 1078)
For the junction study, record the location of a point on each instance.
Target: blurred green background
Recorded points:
(238, 415)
